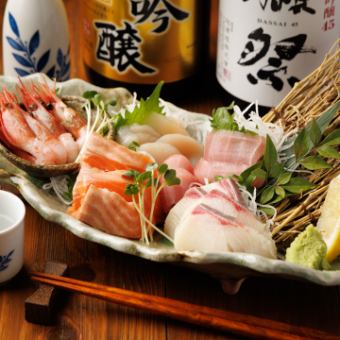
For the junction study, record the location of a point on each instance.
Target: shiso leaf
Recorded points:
(142, 111)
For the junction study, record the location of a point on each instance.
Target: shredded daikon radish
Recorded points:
(89, 127)
(255, 124)
(254, 207)
(60, 186)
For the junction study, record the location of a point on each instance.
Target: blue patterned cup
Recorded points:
(12, 214)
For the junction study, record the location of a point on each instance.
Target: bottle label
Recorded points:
(138, 41)
(266, 46)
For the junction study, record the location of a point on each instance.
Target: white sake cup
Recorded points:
(12, 214)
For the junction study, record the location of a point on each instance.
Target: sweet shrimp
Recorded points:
(43, 129)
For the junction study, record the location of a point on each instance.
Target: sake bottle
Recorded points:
(137, 44)
(266, 46)
(36, 39)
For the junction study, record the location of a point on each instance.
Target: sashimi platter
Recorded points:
(231, 194)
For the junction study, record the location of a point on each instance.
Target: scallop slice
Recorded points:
(165, 125)
(139, 133)
(187, 146)
(159, 151)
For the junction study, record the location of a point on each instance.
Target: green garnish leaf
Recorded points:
(222, 118)
(162, 169)
(284, 178)
(324, 120)
(271, 164)
(328, 151)
(332, 139)
(280, 191)
(298, 185)
(257, 178)
(314, 163)
(278, 198)
(268, 211)
(131, 189)
(133, 146)
(142, 111)
(313, 131)
(132, 174)
(144, 177)
(89, 94)
(149, 182)
(151, 167)
(267, 194)
(302, 145)
(119, 121)
(170, 177)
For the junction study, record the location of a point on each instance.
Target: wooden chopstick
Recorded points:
(200, 315)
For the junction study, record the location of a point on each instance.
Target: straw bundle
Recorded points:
(308, 99)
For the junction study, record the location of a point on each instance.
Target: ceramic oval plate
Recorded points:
(230, 268)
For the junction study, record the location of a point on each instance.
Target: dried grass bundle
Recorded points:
(307, 100)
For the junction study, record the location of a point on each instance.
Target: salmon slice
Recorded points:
(114, 181)
(105, 154)
(109, 212)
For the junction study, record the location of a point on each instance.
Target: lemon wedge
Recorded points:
(329, 221)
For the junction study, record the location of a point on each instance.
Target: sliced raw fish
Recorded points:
(109, 212)
(210, 231)
(214, 218)
(170, 195)
(159, 151)
(194, 196)
(139, 133)
(179, 162)
(165, 125)
(106, 154)
(114, 181)
(234, 147)
(216, 200)
(186, 145)
(209, 170)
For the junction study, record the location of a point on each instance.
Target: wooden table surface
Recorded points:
(296, 303)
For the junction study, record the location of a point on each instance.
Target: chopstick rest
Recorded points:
(40, 306)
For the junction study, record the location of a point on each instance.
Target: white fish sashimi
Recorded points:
(186, 145)
(159, 151)
(139, 133)
(206, 231)
(213, 218)
(195, 196)
(165, 125)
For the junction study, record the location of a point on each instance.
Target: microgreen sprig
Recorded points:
(155, 178)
